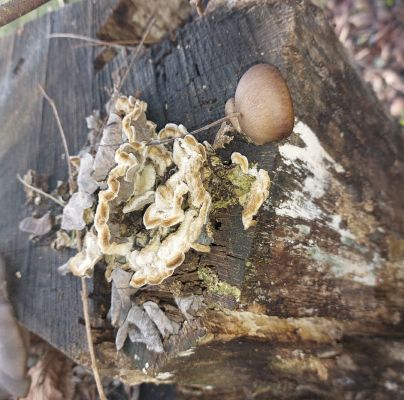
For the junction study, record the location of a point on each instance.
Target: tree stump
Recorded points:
(306, 304)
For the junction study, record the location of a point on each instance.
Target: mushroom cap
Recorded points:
(264, 102)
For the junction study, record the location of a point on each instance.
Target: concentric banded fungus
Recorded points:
(242, 161)
(259, 191)
(158, 260)
(258, 194)
(177, 205)
(82, 264)
(130, 181)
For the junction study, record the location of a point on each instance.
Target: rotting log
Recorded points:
(308, 303)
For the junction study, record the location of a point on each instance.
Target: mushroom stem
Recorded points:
(230, 109)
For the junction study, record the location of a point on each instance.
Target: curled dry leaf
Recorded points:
(140, 329)
(121, 292)
(13, 351)
(189, 305)
(36, 226)
(51, 378)
(73, 218)
(162, 322)
(85, 181)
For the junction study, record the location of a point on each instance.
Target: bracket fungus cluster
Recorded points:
(155, 200)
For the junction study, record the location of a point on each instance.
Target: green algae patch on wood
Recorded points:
(229, 186)
(215, 285)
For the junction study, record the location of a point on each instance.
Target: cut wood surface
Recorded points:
(308, 302)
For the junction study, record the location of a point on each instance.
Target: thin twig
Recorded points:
(35, 189)
(217, 122)
(87, 323)
(134, 56)
(123, 44)
(196, 131)
(62, 134)
(117, 89)
(109, 145)
(84, 293)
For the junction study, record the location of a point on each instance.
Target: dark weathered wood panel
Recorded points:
(335, 257)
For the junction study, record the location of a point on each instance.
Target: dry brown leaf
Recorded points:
(85, 181)
(140, 328)
(74, 209)
(51, 378)
(13, 351)
(36, 226)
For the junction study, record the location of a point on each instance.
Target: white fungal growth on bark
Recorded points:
(316, 165)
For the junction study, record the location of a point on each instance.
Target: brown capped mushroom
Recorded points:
(263, 100)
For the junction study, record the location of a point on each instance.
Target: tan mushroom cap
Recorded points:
(264, 102)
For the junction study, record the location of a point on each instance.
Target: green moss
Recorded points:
(241, 182)
(224, 203)
(250, 275)
(215, 285)
(228, 186)
(250, 268)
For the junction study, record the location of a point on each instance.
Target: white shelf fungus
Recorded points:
(82, 264)
(167, 180)
(259, 191)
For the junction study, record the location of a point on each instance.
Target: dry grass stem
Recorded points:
(84, 293)
(117, 89)
(217, 122)
(62, 134)
(97, 42)
(196, 131)
(134, 56)
(41, 192)
(94, 366)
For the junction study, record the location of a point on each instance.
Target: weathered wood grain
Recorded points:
(328, 247)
